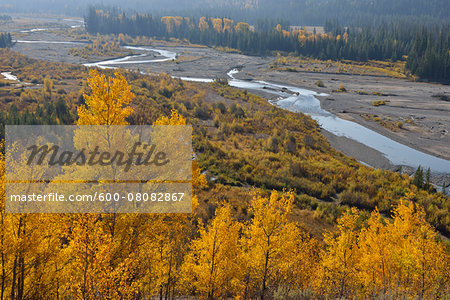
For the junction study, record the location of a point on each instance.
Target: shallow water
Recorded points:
(130, 59)
(50, 42)
(9, 76)
(305, 101)
(33, 30)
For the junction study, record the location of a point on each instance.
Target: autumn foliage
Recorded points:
(264, 253)
(108, 102)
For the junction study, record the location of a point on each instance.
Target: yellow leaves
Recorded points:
(271, 212)
(109, 101)
(227, 25)
(324, 36)
(173, 22)
(396, 258)
(348, 222)
(174, 119)
(121, 39)
(242, 27)
(48, 86)
(203, 24)
(93, 272)
(217, 24)
(345, 37)
(215, 256)
(339, 260)
(401, 258)
(198, 180)
(244, 259)
(271, 241)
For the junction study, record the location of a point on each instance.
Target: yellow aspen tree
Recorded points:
(203, 24)
(376, 265)
(179, 20)
(338, 274)
(165, 237)
(242, 27)
(298, 260)
(98, 265)
(227, 25)
(48, 86)
(91, 249)
(422, 263)
(214, 259)
(217, 24)
(121, 39)
(345, 37)
(109, 100)
(171, 23)
(29, 243)
(198, 180)
(263, 239)
(162, 244)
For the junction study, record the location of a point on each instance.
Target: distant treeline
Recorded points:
(5, 40)
(429, 56)
(307, 12)
(5, 18)
(427, 47)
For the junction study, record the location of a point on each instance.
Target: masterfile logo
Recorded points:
(98, 169)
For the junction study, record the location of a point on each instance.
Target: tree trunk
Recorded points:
(169, 279)
(20, 284)
(211, 273)
(266, 265)
(13, 283)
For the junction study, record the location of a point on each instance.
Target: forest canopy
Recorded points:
(5, 40)
(426, 48)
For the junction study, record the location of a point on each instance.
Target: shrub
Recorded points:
(320, 83)
(341, 89)
(201, 113)
(379, 102)
(216, 121)
(221, 106)
(221, 81)
(272, 144)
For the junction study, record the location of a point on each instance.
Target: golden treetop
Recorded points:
(108, 102)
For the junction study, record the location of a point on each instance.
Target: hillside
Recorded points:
(271, 214)
(241, 140)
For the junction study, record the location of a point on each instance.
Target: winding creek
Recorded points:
(297, 100)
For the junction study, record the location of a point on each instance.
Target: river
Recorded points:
(297, 100)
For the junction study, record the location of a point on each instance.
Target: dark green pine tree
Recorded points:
(418, 178)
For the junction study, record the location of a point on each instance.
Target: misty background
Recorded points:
(296, 12)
